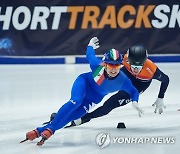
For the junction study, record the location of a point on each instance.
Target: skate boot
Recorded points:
(78, 122)
(51, 119)
(31, 135)
(47, 133)
(71, 125)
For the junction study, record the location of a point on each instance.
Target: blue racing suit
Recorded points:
(89, 89)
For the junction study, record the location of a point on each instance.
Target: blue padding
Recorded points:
(10, 60)
(81, 60)
(158, 59)
(78, 60)
(164, 59)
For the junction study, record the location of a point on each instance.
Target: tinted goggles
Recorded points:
(115, 66)
(136, 67)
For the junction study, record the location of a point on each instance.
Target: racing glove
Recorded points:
(136, 107)
(94, 42)
(159, 105)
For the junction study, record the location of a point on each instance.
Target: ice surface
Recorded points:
(30, 93)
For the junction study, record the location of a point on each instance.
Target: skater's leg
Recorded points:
(76, 114)
(77, 96)
(119, 99)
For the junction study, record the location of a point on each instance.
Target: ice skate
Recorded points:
(47, 133)
(31, 135)
(71, 125)
(77, 122)
(51, 119)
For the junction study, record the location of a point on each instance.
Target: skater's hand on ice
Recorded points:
(159, 105)
(94, 42)
(136, 107)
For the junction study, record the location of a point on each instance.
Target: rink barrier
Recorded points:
(73, 59)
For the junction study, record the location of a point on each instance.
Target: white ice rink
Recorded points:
(30, 93)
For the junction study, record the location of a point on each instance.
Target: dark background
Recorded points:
(73, 42)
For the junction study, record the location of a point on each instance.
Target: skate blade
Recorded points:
(71, 125)
(68, 126)
(24, 140)
(40, 143)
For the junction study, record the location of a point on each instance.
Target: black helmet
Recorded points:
(137, 55)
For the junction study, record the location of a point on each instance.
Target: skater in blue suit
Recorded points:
(89, 89)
